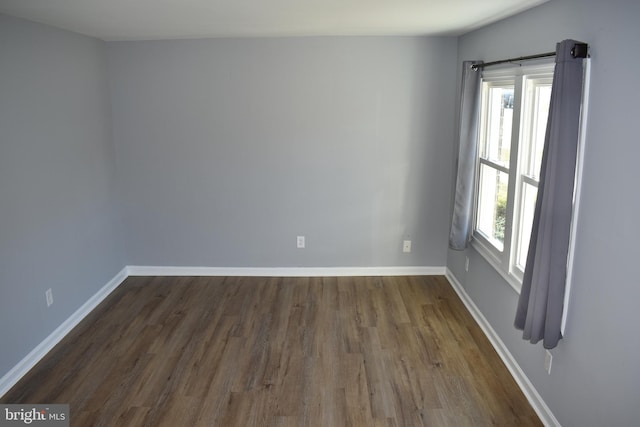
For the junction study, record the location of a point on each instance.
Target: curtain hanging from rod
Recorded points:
(541, 301)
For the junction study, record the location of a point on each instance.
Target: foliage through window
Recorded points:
(514, 110)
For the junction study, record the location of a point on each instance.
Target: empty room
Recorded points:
(357, 213)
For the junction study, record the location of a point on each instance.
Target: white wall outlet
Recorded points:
(49, 295)
(466, 264)
(406, 246)
(548, 358)
(300, 244)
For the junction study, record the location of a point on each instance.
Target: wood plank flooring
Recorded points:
(247, 351)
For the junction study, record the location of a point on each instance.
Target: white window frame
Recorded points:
(526, 130)
(516, 76)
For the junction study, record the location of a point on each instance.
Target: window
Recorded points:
(514, 110)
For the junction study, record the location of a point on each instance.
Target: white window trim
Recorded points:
(501, 261)
(577, 190)
(494, 261)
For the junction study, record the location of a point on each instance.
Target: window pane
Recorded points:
(492, 205)
(542, 97)
(529, 193)
(499, 119)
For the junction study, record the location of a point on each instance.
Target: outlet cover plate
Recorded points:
(548, 359)
(49, 295)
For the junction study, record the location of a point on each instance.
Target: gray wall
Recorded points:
(595, 378)
(229, 148)
(57, 181)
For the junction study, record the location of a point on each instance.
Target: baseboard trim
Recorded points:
(138, 270)
(530, 392)
(31, 359)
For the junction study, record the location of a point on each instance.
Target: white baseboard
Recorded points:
(30, 360)
(532, 395)
(138, 270)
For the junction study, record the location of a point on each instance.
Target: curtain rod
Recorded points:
(579, 50)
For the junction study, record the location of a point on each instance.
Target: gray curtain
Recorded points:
(460, 233)
(539, 313)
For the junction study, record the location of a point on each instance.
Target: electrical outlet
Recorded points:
(300, 244)
(49, 295)
(406, 246)
(466, 264)
(548, 358)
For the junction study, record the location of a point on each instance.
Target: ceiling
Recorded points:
(171, 19)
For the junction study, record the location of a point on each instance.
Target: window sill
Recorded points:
(486, 253)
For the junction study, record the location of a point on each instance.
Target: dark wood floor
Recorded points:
(239, 351)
